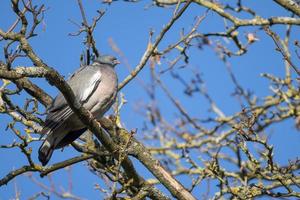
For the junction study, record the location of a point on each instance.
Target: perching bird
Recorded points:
(96, 87)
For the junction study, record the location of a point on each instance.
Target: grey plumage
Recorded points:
(95, 86)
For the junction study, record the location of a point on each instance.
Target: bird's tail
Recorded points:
(53, 132)
(45, 152)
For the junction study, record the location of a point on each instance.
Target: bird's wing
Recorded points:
(83, 83)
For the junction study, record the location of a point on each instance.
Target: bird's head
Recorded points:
(108, 60)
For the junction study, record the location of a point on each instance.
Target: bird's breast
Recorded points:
(104, 95)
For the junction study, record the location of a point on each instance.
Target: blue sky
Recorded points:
(128, 24)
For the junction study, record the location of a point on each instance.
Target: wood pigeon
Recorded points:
(96, 87)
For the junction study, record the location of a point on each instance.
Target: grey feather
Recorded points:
(95, 86)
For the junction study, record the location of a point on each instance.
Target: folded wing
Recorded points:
(83, 83)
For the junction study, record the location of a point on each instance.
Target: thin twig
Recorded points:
(150, 50)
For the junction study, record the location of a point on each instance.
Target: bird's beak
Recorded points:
(116, 62)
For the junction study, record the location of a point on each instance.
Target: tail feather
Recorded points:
(70, 137)
(54, 135)
(45, 152)
(59, 133)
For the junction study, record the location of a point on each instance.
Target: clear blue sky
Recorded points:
(128, 24)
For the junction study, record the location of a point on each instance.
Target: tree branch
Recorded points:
(290, 5)
(150, 50)
(43, 170)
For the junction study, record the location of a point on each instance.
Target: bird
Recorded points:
(95, 86)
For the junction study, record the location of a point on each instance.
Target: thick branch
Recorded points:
(22, 72)
(139, 151)
(290, 5)
(19, 77)
(34, 91)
